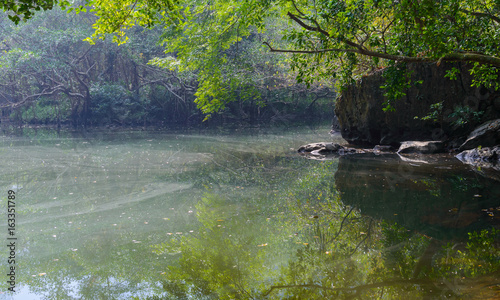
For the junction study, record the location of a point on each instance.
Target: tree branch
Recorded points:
(363, 240)
(341, 225)
(349, 289)
(308, 51)
(480, 14)
(308, 27)
(454, 56)
(75, 61)
(319, 29)
(297, 9)
(28, 98)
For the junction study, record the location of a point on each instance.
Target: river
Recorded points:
(239, 214)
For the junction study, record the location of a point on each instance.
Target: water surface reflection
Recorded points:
(241, 216)
(435, 195)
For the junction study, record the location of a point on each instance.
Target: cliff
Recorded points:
(362, 120)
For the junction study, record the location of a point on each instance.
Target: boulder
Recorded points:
(426, 147)
(485, 157)
(486, 135)
(484, 161)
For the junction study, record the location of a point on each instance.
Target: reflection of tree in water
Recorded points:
(315, 247)
(100, 269)
(224, 260)
(439, 199)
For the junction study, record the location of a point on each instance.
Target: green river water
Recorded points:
(239, 215)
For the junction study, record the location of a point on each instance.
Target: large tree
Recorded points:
(339, 39)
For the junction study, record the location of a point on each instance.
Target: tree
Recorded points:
(328, 39)
(58, 63)
(162, 91)
(335, 39)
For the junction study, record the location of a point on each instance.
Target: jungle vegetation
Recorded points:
(50, 75)
(223, 48)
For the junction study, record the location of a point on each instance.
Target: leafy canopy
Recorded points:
(328, 39)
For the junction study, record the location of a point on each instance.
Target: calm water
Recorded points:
(241, 215)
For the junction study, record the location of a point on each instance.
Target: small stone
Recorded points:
(382, 148)
(426, 147)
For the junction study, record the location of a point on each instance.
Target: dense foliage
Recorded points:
(51, 76)
(328, 39)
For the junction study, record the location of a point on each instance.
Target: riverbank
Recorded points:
(486, 161)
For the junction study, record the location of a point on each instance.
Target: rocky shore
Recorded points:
(481, 149)
(437, 116)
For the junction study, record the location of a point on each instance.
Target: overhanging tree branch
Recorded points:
(455, 56)
(351, 289)
(297, 9)
(308, 51)
(308, 27)
(319, 29)
(482, 15)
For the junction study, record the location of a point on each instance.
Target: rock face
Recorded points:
(362, 120)
(427, 147)
(486, 135)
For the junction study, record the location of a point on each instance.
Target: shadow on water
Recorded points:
(437, 196)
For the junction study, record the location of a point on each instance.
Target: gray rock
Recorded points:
(327, 148)
(486, 135)
(383, 148)
(489, 155)
(332, 147)
(316, 146)
(426, 147)
(484, 161)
